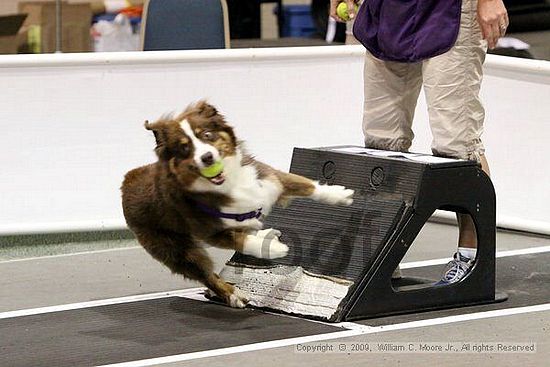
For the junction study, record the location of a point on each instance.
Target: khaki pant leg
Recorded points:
(391, 92)
(452, 82)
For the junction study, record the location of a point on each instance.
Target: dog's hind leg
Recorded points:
(192, 262)
(227, 292)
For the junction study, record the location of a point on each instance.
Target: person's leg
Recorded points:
(467, 235)
(452, 82)
(391, 92)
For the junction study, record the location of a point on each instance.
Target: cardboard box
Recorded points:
(11, 6)
(10, 38)
(41, 26)
(113, 6)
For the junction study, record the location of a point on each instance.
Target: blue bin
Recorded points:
(297, 21)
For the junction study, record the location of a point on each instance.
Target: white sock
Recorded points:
(467, 252)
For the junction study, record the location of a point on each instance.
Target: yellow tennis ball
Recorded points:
(342, 11)
(213, 170)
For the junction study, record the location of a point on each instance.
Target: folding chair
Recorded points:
(185, 25)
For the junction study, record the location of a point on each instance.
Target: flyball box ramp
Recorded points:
(341, 259)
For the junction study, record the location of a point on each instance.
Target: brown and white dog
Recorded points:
(173, 210)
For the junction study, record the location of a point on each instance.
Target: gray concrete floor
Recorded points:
(118, 267)
(34, 275)
(534, 328)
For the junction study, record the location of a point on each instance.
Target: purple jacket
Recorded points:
(407, 30)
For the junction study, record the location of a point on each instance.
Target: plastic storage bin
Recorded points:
(297, 21)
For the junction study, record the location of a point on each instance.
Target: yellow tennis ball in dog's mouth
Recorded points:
(213, 170)
(342, 11)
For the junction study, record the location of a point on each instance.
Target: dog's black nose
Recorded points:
(207, 159)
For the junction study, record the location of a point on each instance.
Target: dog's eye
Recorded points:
(184, 150)
(209, 135)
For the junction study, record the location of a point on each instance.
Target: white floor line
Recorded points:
(499, 254)
(91, 252)
(460, 318)
(335, 335)
(102, 302)
(407, 265)
(237, 349)
(525, 251)
(195, 293)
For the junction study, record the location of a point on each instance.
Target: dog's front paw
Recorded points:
(335, 194)
(265, 244)
(269, 233)
(277, 249)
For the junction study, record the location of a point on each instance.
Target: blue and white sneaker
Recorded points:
(456, 269)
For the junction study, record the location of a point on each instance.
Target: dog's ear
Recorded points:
(156, 128)
(206, 109)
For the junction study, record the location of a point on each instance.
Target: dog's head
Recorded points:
(197, 139)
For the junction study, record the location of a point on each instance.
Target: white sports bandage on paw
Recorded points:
(266, 247)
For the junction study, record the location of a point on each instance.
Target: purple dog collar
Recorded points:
(238, 217)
